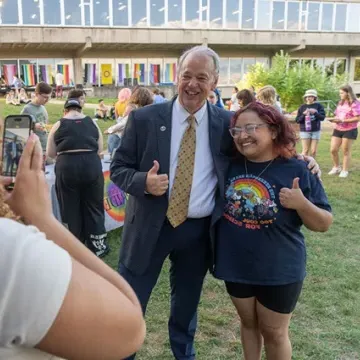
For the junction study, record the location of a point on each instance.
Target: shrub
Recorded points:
(292, 82)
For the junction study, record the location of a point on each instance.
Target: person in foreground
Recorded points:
(169, 162)
(260, 249)
(87, 310)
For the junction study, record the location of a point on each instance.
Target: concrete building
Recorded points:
(113, 42)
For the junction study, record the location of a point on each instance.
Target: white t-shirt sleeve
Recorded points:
(34, 278)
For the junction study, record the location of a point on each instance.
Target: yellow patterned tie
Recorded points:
(180, 194)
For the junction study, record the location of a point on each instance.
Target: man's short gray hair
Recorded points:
(203, 50)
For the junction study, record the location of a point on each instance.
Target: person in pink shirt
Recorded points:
(347, 116)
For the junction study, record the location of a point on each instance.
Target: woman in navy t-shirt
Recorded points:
(260, 249)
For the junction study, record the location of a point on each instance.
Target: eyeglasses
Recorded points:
(249, 129)
(45, 96)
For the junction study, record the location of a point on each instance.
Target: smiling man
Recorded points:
(170, 163)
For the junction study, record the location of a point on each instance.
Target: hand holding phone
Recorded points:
(17, 129)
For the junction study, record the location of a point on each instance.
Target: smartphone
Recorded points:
(17, 129)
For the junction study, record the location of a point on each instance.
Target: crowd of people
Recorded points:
(210, 189)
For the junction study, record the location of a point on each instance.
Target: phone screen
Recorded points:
(17, 129)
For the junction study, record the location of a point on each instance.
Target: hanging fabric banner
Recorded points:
(170, 73)
(65, 70)
(139, 73)
(29, 74)
(124, 72)
(106, 74)
(90, 74)
(9, 70)
(155, 73)
(46, 74)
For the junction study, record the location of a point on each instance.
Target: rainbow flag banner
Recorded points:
(124, 72)
(65, 70)
(139, 73)
(170, 73)
(46, 74)
(9, 71)
(90, 74)
(28, 71)
(155, 74)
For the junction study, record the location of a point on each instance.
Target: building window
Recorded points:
(263, 15)
(120, 13)
(327, 17)
(318, 63)
(353, 23)
(304, 12)
(248, 14)
(235, 70)
(72, 12)
(52, 12)
(157, 13)
(31, 12)
(329, 66)
(232, 14)
(87, 14)
(9, 13)
(313, 16)
(293, 16)
(139, 13)
(357, 70)
(340, 19)
(216, 13)
(224, 71)
(248, 63)
(192, 13)
(174, 13)
(340, 66)
(278, 16)
(101, 12)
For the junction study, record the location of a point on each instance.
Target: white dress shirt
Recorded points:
(202, 196)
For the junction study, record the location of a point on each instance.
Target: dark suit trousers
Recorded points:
(188, 249)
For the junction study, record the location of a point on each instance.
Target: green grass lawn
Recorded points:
(55, 113)
(326, 322)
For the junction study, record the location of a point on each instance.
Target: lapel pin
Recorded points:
(163, 128)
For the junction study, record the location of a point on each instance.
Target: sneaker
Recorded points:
(335, 170)
(344, 174)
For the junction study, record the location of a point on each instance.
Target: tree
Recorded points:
(292, 82)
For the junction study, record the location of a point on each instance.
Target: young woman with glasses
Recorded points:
(260, 249)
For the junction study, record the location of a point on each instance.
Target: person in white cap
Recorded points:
(309, 118)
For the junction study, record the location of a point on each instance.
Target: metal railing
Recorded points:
(329, 106)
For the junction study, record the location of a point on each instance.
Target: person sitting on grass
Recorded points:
(102, 110)
(11, 99)
(23, 97)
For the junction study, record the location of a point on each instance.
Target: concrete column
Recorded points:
(78, 71)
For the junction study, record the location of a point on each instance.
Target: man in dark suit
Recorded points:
(171, 164)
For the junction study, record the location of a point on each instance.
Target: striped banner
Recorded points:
(139, 73)
(155, 75)
(65, 70)
(29, 74)
(124, 72)
(46, 74)
(9, 71)
(90, 74)
(170, 73)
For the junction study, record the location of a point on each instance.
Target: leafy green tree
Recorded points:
(291, 82)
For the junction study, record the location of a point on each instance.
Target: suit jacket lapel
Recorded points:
(215, 130)
(163, 130)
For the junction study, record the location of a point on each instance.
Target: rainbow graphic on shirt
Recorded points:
(250, 202)
(252, 185)
(114, 199)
